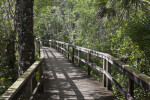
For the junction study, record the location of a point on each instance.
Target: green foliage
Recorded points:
(117, 27)
(4, 84)
(8, 63)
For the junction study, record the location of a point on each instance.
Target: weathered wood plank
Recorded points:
(104, 76)
(79, 59)
(89, 60)
(138, 77)
(72, 55)
(66, 81)
(130, 87)
(37, 88)
(108, 69)
(108, 76)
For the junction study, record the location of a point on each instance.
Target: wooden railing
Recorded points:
(132, 74)
(28, 85)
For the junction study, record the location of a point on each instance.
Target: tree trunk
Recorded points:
(10, 42)
(11, 58)
(26, 47)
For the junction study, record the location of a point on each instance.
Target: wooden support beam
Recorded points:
(39, 46)
(130, 87)
(59, 46)
(34, 80)
(104, 76)
(140, 78)
(50, 44)
(68, 52)
(29, 89)
(55, 45)
(42, 76)
(108, 69)
(62, 48)
(72, 55)
(78, 58)
(89, 60)
(65, 47)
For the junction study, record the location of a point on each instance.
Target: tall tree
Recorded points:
(25, 34)
(11, 41)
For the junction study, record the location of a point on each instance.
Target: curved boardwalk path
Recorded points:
(65, 81)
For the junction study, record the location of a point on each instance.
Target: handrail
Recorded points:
(27, 85)
(132, 74)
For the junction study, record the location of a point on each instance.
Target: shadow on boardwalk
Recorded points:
(64, 81)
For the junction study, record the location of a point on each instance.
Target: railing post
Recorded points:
(72, 54)
(53, 44)
(34, 80)
(89, 60)
(59, 49)
(66, 48)
(108, 69)
(62, 48)
(39, 48)
(50, 44)
(104, 76)
(68, 51)
(41, 77)
(28, 90)
(130, 87)
(79, 58)
(57, 46)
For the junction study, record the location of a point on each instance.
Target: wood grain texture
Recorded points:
(138, 77)
(65, 81)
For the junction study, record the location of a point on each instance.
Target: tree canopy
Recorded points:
(118, 27)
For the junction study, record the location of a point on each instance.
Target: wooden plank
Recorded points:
(99, 69)
(108, 69)
(72, 55)
(78, 59)
(89, 60)
(62, 46)
(104, 76)
(79, 84)
(130, 87)
(35, 91)
(28, 89)
(138, 77)
(68, 52)
(37, 88)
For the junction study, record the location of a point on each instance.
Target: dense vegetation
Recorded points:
(17, 40)
(118, 27)
(8, 62)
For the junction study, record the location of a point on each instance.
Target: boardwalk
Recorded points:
(64, 81)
